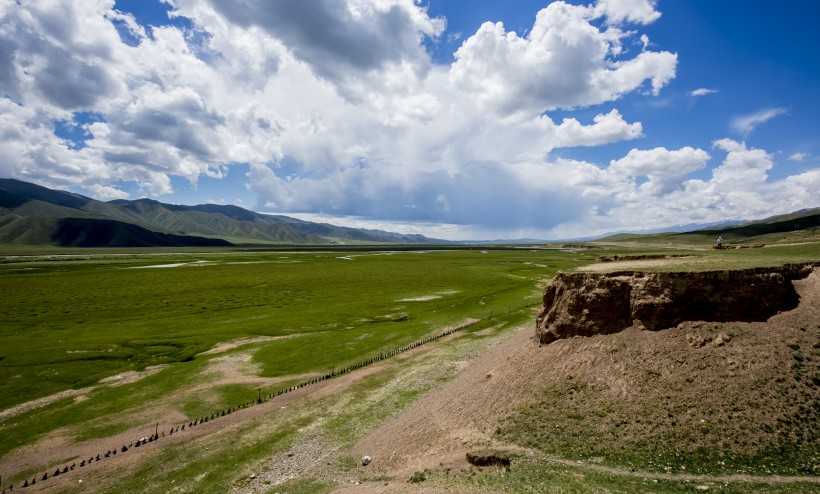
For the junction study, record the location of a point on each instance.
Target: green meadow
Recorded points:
(68, 322)
(71, 324)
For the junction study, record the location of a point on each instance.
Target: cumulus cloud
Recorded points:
(798, 156)
(745, 124)
(607, 128)
(739, 187)
(342, 42)
(660, 162)
(328, 33)
(662, 167)
(165, 111)
(742, 165)
(262, 84)
(797, 191)
(55, 54)
(619, 11)
(563, 62)
(107, 192)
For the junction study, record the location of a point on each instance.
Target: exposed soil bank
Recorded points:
(586, 304)
(684, 404)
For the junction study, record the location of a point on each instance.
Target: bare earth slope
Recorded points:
(736, 396)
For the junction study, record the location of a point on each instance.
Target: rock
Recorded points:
(586, 304)
(366, 460)
(722, 339)
(697, 341)
(488, 459)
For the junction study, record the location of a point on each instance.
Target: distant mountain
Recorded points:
(805, 217)
(329, 231)
(690, 227)
(231, 223)
(774, 228)
(83, 232)
(784, 223)
(31, 214)
(508, 241)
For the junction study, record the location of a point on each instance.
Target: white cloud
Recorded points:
(702, 92)
(563, 62)
(29, 150)
(608, 128)
(663, 168)
(60, 53)
(618, 11)
(106, 192)
(739, 187)
(660, 162)
(798, 156)
(351, 44)
(742, 166)
(797, 192)
(253, 85)
(745, 124)
(645, 43)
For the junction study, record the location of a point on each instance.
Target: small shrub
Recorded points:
(418, 477)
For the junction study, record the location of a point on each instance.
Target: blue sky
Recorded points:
(455, 119)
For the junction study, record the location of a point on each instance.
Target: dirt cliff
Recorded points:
(586, 304)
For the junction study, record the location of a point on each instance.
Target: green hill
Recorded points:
(35, 215)
(800, 226)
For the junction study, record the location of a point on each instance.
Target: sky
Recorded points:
(456, 119)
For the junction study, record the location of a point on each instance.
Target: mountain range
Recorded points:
(34, 215)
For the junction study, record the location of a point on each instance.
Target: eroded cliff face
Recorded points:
(586, 304)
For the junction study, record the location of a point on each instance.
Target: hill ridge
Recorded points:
(33, 214)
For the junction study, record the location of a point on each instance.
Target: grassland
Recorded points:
(249, 456)
(68, 322)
